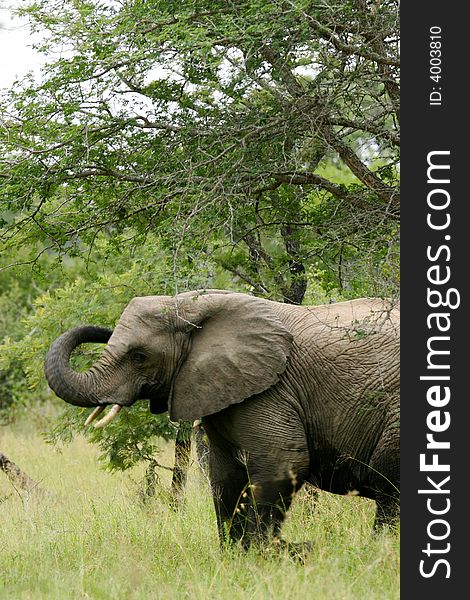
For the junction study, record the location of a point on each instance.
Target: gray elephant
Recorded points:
(287, 394)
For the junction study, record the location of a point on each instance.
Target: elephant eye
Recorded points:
(138, 358)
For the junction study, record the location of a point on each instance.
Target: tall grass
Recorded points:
(94, 538)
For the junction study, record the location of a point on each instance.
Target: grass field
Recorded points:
(94, 538)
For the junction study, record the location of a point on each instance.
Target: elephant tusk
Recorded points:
(109, 417)
(94, 414)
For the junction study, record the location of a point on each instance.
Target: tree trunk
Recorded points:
(202, 448)
(18, 477)
(181, 466)
(298, 285)
(151, 481)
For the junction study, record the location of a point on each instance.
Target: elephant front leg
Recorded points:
(262, 510)
(264, 514)
(250, 513)
(229, 481)
(253, 490)
(227, 496)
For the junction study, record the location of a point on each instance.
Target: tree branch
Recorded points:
(17, 476)
(360, 170)
(350, 49)
(307, 178)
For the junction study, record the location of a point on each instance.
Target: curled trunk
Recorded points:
(79, 389)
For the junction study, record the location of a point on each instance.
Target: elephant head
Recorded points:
(193, 354)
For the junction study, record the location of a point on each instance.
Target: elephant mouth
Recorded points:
(152, 392)
(157, 395)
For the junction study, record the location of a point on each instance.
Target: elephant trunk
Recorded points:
(80, 389)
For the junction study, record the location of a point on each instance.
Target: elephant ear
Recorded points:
(239, 348)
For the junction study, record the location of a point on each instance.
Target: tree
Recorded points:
(251, 145)
(213, 123)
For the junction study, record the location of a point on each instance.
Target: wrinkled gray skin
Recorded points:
(287, 394)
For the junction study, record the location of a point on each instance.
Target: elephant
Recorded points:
(287, 394)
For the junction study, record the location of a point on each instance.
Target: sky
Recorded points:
(16, 55)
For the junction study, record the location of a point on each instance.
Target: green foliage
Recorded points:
(18, 289)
